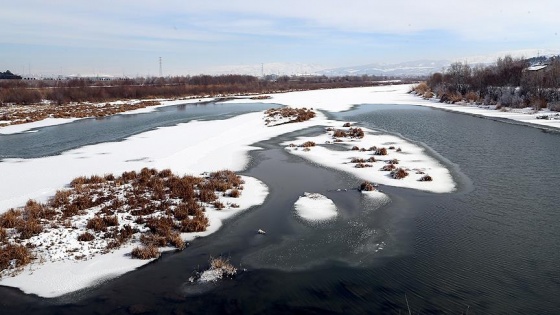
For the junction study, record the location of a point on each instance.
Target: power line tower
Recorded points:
(160, 68)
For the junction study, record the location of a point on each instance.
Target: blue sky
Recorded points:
(127, 37)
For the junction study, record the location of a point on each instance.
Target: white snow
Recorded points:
(19, 128)
(412, 157)
(315, 207)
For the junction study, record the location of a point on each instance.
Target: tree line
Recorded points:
(510, 82)
(89, 90)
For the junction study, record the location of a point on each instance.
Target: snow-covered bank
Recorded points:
(64, 264)
(19, 128)
(315, 207)
(337, 100)
(373, 157)
(12, 129)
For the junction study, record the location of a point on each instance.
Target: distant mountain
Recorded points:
(276, 68)
(406, 69)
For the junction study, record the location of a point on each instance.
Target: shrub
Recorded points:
(61, 198)
(371, 159)
(235, 193)
(224, 265)
(355, 148)
(388, 167)
(357, 160)
(146, 252)
(339, 133)
(14, 256)
(86, 237)
(362, 165)
(111, 220)
(10, 218)
(381, 151)
(399, 173)
(472, 96)
(356, 133)
(97, 224)
(346, 124)
(393, 161)
(28, 228)
(426, 178)
(218, 205)
(176, 241)
(198, 223)
(421, 88)
(367, 186)
(207, 195)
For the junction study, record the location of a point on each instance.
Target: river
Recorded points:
(490, 247)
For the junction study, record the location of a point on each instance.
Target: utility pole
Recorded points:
(160, 68)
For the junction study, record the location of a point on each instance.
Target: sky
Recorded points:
(122, 37)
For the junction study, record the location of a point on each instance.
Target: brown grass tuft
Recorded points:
(381, 151)
(367, 186)
(97, 224)
(399, 173)
(86, 237)
(14, 256)
(146, 252)
(426, 178)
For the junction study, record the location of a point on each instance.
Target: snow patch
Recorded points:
(315, 207)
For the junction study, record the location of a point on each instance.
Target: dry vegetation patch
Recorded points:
(98, 214)
(285, 115)
(25, 114)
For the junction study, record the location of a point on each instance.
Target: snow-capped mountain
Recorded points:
(411, 68)
(276, 68)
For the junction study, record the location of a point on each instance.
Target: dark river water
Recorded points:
(491, 247)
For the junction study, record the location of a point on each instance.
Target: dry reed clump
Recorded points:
(426, 178)
(355, 148)
(224, 265)
(10, 218)
(14, 256)
(399, 173)
(218, 205)
(308, 144)
(367, 186)
(380, 151)
(234, 193)
(29, 228)
(421, 88)
(339, 134)
(393, 161)
(86, 237)
(363, 165)
(294, 114)
(198, 223)
(145, 252)
(26, 114)
(356, 133)
(347, 124)
(388, 167)
(357, 160)
(371, 159)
